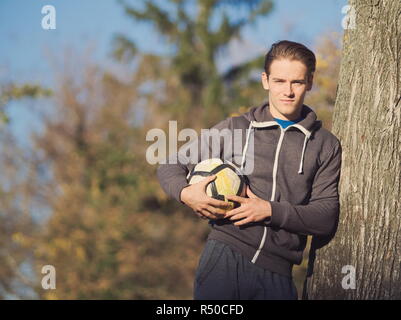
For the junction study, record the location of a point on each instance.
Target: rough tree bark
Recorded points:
(367, 120)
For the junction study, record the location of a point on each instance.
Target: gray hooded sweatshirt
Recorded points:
(296, 169)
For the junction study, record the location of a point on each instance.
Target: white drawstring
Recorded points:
(269, 123)
(301, 169)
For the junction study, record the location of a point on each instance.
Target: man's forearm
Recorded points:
(317, 218)
(172, 179)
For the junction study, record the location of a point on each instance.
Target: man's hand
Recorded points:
(252, 209)
(195, 197)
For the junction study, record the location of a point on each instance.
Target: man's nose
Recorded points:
(288, 90)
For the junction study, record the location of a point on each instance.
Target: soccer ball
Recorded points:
(229, 180)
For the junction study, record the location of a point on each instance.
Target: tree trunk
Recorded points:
(367, 120)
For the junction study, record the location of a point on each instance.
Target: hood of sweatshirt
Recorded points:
(260, 117)
(261, 114)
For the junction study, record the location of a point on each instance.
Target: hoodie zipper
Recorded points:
(275, 169)
(275, 166)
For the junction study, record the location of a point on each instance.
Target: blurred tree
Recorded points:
(12, 91)
(18, 168)
(107, 235)
(323, 94)
(20, 176)
(192, 82)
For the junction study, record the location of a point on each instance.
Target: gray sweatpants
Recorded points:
(224, 274)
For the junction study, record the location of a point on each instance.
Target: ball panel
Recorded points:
(227, 181)
(195, 179)
(208, 165)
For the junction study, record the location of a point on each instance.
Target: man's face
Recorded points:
(287, 83)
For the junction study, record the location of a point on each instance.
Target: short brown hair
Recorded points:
(293, 51)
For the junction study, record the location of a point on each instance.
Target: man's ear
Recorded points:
(265, 81)
(310, 82)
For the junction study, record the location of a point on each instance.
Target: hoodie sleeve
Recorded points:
(320, 215)
(172, 176)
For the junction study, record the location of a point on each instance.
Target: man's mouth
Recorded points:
(287, 100)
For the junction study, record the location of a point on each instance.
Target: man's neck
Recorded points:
(276, 114)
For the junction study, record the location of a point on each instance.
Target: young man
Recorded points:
(292, 191)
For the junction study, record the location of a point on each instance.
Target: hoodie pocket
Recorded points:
(285, 239)
(285, 244)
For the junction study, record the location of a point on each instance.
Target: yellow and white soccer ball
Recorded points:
(229, 180)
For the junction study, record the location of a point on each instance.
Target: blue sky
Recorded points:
(25, 49)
